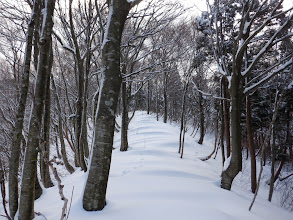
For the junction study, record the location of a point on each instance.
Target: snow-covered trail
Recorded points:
(151, 182)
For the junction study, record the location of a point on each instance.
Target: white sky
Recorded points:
(200, 5)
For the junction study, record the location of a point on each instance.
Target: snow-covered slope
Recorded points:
(151, 182)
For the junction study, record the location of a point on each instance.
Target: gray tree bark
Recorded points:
(26, 207)
(94, 197)
(17, 131)
(44, 168)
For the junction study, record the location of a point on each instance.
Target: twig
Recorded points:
(55, 173)
(286, 177)
(40, 214)
(70, 203)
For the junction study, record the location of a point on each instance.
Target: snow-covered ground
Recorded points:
(151, 182)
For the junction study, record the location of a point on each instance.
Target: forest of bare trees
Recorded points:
(69, 68)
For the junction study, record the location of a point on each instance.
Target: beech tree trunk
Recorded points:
(26, 207)
(17, 131)
(94, 197)
(44, 168)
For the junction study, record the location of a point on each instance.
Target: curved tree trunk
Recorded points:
(17, 132)
(26, 207)
(94, 197)
(235, 165)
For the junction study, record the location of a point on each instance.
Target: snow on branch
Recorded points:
(267, 78)
(207, 94)
(243, 46)
(268, 45)
(66, 47)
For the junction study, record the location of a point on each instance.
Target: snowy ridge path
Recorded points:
(151, 182)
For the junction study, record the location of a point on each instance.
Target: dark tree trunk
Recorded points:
(44, 168)
(26, 207)
(277, 174)
(235, 165)
(226, 116)
(222, 133)
(94, 197)
(149, 98)
(250, 144)
(182, 118)
(201, 120)
(125, 119)
(17, 131)
(157, 102)
(273, 156)
(165, 98)
(56, 144)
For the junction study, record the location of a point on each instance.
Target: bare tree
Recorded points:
(94, 197)
(26, 206)
(240, 49)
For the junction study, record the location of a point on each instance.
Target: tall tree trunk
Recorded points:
(222, 133)
(125, 119)
(17, 131)
(157, 102)
(26, 207)
(273, 156)
(226, 116)
(250, 144)
(182, 117)
(165, 98)
(149, 98)
(94, 197)
(79, 135)
(201, 120)
(44, 168)
(235, 165)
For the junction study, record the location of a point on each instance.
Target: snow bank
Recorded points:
(150, 181)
